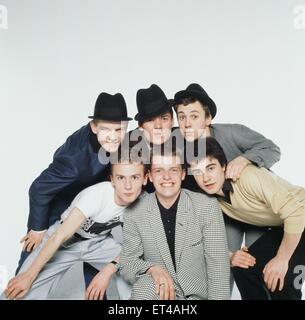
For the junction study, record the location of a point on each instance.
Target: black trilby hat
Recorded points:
(194, 90)
(110, 107)
(152, 102)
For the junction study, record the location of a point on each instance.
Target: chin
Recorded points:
(112, 148)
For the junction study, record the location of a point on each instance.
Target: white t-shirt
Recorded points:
(98, 206)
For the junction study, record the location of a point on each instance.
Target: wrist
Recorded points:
(114, 266)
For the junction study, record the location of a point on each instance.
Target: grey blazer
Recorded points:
(202, 261)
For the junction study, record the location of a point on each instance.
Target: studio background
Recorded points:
(57, 56)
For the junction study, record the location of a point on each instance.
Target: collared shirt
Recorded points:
(168, 217)
(227, 188)
(262, 198)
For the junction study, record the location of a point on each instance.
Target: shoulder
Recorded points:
(137, 208)
(102, 189)
(74, 143)
(199, 199)
(252, 177)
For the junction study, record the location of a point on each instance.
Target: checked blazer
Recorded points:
(202, 260)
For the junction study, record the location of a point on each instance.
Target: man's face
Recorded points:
(158, 129)
(166, 174)
(127, 180)
(209, 175)
(192, 121)
(109, 134)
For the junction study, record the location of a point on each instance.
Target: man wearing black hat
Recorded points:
(79, 163)
(242, 146)
(155, 120)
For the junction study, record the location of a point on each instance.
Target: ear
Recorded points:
(150, 177)
(112, 182)
(208, 121)
(183, 174)
(145, 179)
(93, 127)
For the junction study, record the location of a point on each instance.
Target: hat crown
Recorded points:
(196, 87)
(151, 102)
(150, 96)
(110, 107)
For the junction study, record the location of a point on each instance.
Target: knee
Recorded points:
(144, 289)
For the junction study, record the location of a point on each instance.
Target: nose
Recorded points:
(112, 135)
(187, 122)
(127, 184)
(166, 175)
(157, 123)
(205, 177)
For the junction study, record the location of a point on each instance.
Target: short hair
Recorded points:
(167, 149)
(212, 150)
(189, 100)
(140, 123)
(125, 156)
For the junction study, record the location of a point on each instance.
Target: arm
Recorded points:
(255, 147)
(20, 285)
(133, 265)
(216, 253)
(53, 180)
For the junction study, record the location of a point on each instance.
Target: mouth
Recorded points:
(167, 184)
(210, 186)
(128, 194)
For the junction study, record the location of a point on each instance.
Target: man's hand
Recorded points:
(32, 240)
(18, 286)
(235, 168)
(275, 271)
(100, 282)
(243, 259)
(163, 282)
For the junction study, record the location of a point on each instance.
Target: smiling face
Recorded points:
(109, 134)
(127, 180)
(209, 175)
(158, 130)
(193, 122)
(166, 174)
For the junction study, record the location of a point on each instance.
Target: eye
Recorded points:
(196, 172)
(135, 177)
(181, 118)
(194, 117)
(120, 178)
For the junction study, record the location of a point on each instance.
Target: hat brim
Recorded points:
(111, 119)
(140, 117)
(202, 98)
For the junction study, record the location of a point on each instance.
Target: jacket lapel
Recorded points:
(182, 222)
(159, 234)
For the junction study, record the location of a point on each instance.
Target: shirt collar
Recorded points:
(227, 188)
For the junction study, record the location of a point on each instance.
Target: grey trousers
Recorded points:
(96, 251)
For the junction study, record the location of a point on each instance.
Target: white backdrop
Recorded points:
(57, 56)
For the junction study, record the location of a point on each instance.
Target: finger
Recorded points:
(157, 284)
(281, 283)
(24, 238)
(13, 294)
(172, 295)
(166, 291)
(96, 294)
(25, 244)
(161, 292)
(30, 246)
(21, 294)
(274, 283)
(91, 295)
(101, 295)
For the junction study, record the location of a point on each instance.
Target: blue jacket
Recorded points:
(75, 167)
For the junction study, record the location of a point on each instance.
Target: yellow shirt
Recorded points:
(262, 198)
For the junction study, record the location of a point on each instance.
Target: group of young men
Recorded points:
(186, 199)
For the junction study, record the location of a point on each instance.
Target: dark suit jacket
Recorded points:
(75, 167)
